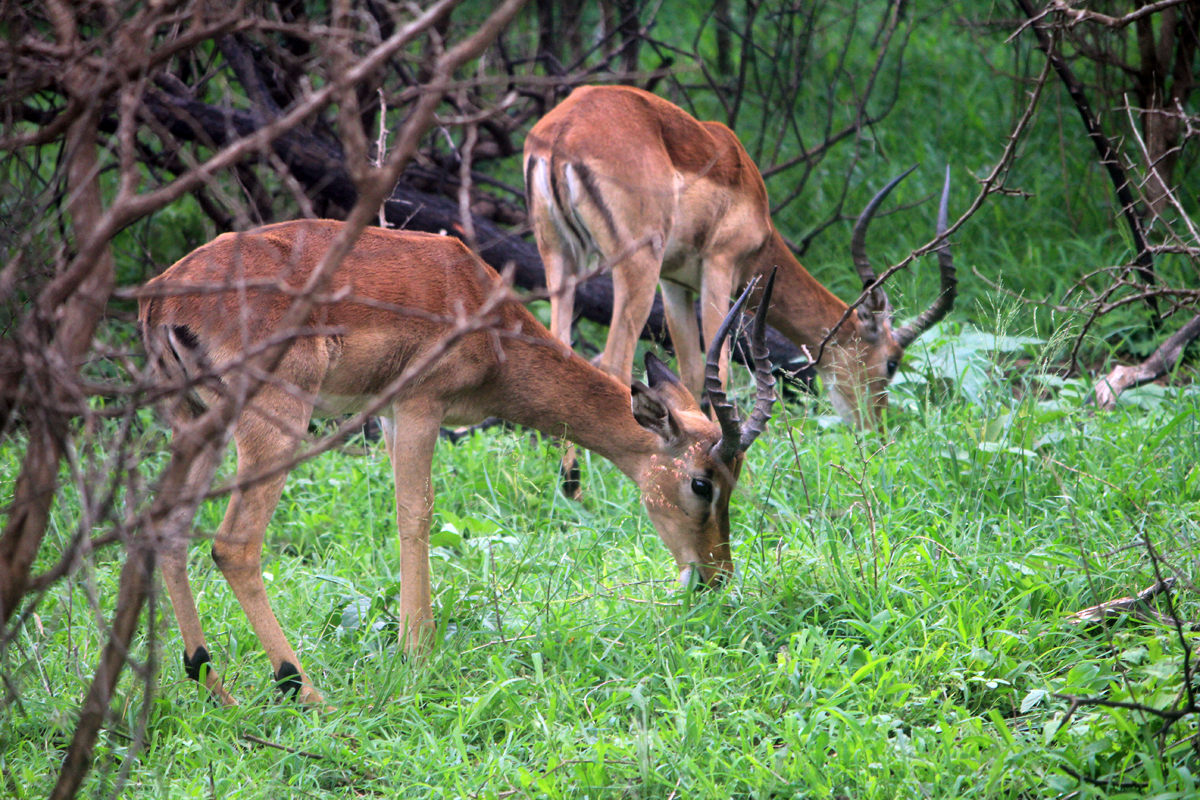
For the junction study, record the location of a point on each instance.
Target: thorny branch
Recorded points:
(993, 183)
(44, 394)
(1159, 73)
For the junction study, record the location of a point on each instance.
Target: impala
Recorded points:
(392, 303)
(621, 178)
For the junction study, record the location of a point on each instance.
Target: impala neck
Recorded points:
(801, 309)
(562, 395)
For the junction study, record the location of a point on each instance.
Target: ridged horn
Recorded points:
(735, 437)
(858, 240)
(906, 334)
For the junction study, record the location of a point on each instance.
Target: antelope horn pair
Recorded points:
(858, 251)
(735, 437)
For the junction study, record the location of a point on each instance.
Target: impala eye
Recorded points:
(703, 489)
(891, 367)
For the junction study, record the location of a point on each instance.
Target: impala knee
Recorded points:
(233, 559)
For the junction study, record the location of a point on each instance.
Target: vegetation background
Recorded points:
(900, 624)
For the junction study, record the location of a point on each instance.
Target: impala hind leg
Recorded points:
(560, 282)
(569, 476)
(410, 437)
(634, 280)
(173, 558)
(715, 293)
(264, 445)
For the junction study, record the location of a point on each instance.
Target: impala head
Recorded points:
(686, 486)
(861, 366)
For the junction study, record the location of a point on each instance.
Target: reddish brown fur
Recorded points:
(400, 289)
(691, 209)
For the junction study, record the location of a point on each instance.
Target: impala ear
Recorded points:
(657, 371)
(871, 314)
(667, 387)
(652, 413)
(868, 325)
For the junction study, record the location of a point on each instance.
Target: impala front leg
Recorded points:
(680, 313)
(410, 438)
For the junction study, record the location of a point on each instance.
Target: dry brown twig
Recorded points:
(47, 392)
(1137, 605)
(991, 184)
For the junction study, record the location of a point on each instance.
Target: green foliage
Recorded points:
(896, 627)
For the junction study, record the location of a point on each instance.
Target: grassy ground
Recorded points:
(896, 627)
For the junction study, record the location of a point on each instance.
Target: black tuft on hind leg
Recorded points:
(287, 678)
(193, 664)
(572, 485)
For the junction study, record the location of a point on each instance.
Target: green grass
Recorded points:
(895, 629)
(897, 626)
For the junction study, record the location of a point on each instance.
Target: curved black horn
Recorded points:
(764, 380)
(945, 300)
(858, 239)
(731, 427)
(735, 438)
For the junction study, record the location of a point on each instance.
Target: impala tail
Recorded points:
(176, 358)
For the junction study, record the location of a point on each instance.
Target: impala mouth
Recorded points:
(697, 577)
(691, 577)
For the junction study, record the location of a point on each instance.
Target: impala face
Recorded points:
(857, 374)
(695, 528)
(686, 486)
(686, 493)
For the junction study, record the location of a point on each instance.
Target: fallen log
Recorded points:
(1158, 365)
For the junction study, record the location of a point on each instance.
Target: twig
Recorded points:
(989, 185)
(551, 771)
(1104, 148)
(1137, 605)
(1110, 485)
(1077, 15)
(366, 774)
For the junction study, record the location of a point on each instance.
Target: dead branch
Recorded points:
(42, 362)
(1107, 154)
(1137, 605)
(1158, 365)
(1076, 15)
(988, 186)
